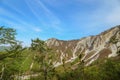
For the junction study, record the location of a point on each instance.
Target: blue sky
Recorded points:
(62, 19)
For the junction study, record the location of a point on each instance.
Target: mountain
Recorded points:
(91, 48)
(31, 64)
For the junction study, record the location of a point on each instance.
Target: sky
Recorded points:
(61, 19)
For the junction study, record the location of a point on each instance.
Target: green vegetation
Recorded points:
(36, 62)
(7, 35)
(108, 70)
(10, 58)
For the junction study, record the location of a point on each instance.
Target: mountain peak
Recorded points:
(52, 39)
(113, 29)
(92, 47)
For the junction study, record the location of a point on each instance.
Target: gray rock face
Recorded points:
(92, 47)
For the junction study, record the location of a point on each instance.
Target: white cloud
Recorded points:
(10, 15)
(18, 24)
(21, 27)
(9, 23)
(36, 29)
(14, 7)
(57, 3)
(45, 16)
(113, 17)
(108, 12)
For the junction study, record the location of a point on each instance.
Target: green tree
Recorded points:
(12, 61)
(11, 55)
(44, 57)
(7, 35)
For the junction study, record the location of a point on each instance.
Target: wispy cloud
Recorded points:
(57, 18)
(108, 11)
(19, 24)
(18, 27)
(113, 15)
(40, 10)
(60, 3)
(45, 17)
(9, 23)
(37, 29)
(105, 15)
(10, 15)
(14, 7)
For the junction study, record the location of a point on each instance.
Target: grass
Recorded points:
(27, 61)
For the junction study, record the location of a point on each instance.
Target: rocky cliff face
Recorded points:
(92, 47)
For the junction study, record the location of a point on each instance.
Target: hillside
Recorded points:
(92, 47)
(94, 58)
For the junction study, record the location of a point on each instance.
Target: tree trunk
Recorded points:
(45, 75)
(3, 68)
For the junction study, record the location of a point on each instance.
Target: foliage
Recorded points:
(108, 70)
(11, 61)
(44, 58)
(7, 35)
(9, 56)
(38, 45)
(39, 59)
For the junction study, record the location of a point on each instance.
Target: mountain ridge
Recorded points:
(91, 47)
(118, 26)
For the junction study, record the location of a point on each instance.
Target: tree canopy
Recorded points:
(7, 35)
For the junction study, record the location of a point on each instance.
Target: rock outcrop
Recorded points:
(92, 47)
